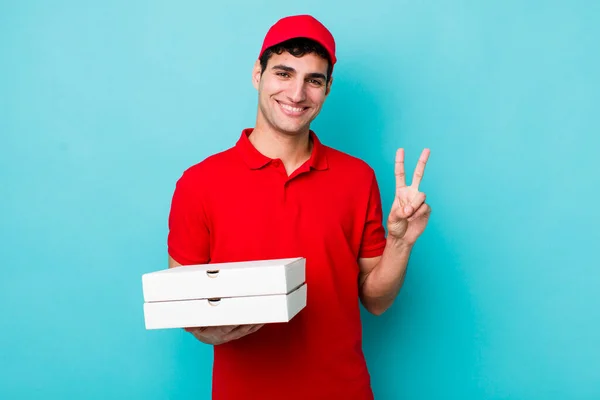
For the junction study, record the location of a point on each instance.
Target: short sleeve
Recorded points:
(189, 236)
(373, 238)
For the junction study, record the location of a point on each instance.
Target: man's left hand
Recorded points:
(410, 214)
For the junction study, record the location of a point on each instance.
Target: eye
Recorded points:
(315, 82)
(283, 74)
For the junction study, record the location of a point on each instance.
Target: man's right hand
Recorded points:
(222, 334)
(218, 334)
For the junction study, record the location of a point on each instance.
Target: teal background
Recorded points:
(104, 104)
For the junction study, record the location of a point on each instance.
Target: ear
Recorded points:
(256, 73)
(328, 89)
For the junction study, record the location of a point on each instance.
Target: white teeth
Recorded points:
(290, 108)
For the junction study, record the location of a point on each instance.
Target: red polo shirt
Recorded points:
(240, 205)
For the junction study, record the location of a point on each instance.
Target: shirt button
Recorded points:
(276, 163)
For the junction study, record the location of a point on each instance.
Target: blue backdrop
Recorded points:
(104, 104)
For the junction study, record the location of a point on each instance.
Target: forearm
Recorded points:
(381, 286)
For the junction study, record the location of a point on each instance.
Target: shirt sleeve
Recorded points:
(189, 236)
(373, 239)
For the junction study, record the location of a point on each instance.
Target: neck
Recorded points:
(292, 149)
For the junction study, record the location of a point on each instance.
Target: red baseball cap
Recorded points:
(300, 26)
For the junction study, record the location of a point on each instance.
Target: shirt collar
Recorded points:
(255, 159)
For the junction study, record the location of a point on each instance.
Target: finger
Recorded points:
(417, 201)
(215, 334)
(423, 210)
(212, 334)
(237, 333)
(255, 328)
(420, 170)
(407, 211)
(226, 329)
(204, 338)
(248, 330)
(411, 205)
(194, 329)
(399, 170)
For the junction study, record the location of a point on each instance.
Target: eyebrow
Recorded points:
(313, 75)
(284, 68)
(317, 75)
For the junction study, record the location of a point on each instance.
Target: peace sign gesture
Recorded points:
(410, 214)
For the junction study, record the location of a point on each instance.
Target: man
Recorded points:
(280, 193)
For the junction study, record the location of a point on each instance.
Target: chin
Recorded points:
(287, 126)
(292, 129)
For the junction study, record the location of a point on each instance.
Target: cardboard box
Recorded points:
(252, 292)
(225, 311)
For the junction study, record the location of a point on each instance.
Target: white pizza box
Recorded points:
(225, 310)
(234, 279)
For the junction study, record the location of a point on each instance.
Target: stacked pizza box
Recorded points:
(236, 293)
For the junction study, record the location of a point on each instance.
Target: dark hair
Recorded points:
(297, 47)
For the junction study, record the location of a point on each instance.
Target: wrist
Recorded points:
(399, 243)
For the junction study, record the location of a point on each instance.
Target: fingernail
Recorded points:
(407, 209)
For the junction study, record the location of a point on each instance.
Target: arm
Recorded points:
(382, 277)
(173, 263)
(189, 239)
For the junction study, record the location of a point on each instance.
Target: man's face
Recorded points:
(291, 91)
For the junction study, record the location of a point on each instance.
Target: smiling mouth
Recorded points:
(291, 110)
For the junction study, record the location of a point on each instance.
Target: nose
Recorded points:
(297, 91)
